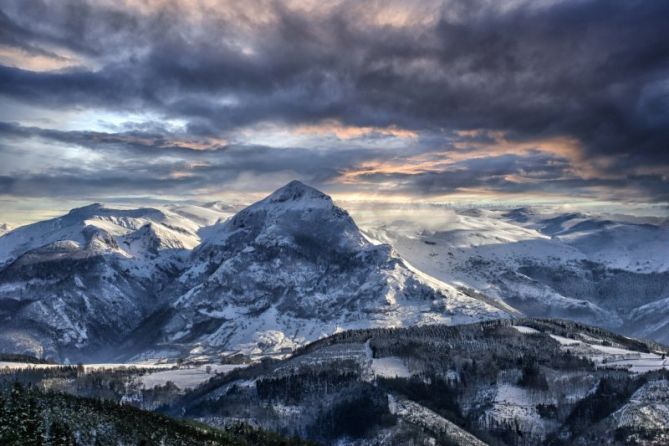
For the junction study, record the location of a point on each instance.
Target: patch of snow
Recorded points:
(187, 377)
(390, 367)
(565, 341)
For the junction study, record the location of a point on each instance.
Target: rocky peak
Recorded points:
(296, 191)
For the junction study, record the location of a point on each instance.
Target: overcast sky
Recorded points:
(498, 100)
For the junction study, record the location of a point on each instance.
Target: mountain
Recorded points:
(504, 382)
(75, 286)
(102, 283)
(182, 281)
(609, 271)
(292, 268)
(5, 227)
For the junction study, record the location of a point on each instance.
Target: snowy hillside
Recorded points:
(597, 270)
(81, 282)
(527, 382)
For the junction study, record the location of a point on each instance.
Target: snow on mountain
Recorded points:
(647, 408)
(81, 282)
(5, 227)
(598, 270)
(294, 267)
(98, 228)
(626, 245)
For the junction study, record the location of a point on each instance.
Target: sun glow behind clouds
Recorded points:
(42, 61)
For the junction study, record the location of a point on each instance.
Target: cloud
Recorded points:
(512, 96)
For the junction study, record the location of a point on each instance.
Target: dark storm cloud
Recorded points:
(160, 163)
(148, 142)
(593, 70)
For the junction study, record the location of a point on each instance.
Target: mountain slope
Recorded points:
(294, 267)
(507, 382)
(31, 417)
(608, 271)
(75, 286)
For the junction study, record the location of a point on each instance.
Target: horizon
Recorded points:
(358, 207)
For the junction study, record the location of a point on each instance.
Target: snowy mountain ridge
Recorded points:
(78, 284)
(183, 281)
(294, 267)
(286, 270)
(597, 270)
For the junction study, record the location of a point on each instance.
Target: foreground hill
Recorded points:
(522, 382)
(32, 417)
(501, 382)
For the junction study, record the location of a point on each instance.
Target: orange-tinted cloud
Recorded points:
(164, 142)
(346, 132)
(37, 61)
(484, 142)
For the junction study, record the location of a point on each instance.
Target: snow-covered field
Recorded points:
(25, 365)
(159, 374)
(187, 377)
(390, 367)
(607, 356)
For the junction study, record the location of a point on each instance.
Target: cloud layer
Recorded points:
(425, 99)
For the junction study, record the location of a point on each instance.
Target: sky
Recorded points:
(477, 101)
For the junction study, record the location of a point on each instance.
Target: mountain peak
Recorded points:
(295, 191)
(86, 209)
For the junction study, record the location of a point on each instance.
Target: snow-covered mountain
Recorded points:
(186, 280)
(78, 284)
(607, 271)
(5, 227)
(293, 268)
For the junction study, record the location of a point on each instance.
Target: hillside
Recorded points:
(505, 382)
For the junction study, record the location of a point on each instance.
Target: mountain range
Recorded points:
(100, 284)
(611, 271)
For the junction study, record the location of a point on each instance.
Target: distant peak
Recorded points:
(100, 210)
(294, 191)
(87, 209)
